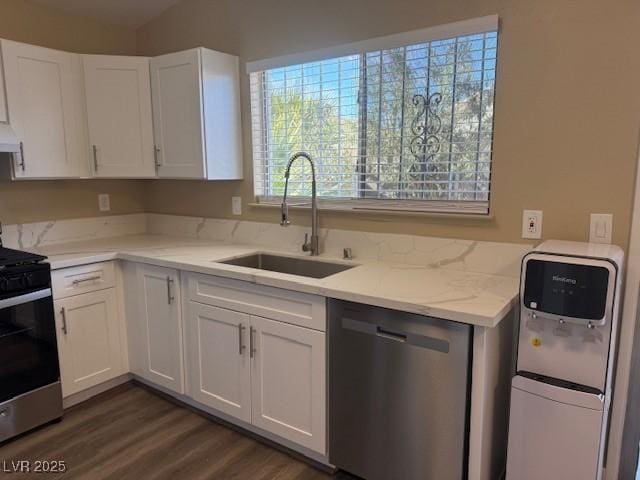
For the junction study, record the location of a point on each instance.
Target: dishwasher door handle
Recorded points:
(398, 337)
(415, 339)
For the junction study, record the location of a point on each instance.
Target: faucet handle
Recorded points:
(306, 246)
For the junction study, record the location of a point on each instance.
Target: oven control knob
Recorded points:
(590, 326)
(561, 321)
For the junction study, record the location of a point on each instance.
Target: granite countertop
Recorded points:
(475, 298)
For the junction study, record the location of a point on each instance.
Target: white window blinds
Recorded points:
(404, 128)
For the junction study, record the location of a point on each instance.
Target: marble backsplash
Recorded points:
(466, 255)
(39, 234)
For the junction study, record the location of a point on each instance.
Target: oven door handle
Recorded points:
(22, 299)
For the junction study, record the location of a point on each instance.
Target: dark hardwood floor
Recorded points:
(132, 433)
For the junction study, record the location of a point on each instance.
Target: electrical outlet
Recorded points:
(104, 202)
(532, 224)
(601, 228)
(236, 205)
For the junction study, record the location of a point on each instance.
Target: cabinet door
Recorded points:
(88, 340)
(118, 91)
(221, 110)
(288, 382)
(159, 289)
(218, 359)
(177, 114)
(42, 95)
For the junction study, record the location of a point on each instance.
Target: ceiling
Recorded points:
(127, 13)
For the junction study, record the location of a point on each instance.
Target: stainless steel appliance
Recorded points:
(561, 394)
(30, 393)
(399, 393)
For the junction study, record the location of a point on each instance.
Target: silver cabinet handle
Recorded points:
(252, 349)
(21, 163)
(241, 347)
(156, 156)
(170, 297)
(95, 158)
(63, 313)
(88, 279)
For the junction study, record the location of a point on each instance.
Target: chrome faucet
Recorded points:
(313, 244)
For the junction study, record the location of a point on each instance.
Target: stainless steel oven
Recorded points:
(30, 393)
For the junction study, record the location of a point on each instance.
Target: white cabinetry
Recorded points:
(196, 115)
(159, 333)
(88, 340)
(219, 363)
(118, 94)
(288, 382)
(44, 98)
(173, 116)
(270, 372)
(88, 328)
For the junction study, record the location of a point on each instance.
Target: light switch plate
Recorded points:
(236, 205)
(104, 202)
(532, 224)
(601, 228)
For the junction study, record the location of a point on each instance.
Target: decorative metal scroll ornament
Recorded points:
(425, 127)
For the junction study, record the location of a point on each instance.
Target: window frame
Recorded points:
(479, 208)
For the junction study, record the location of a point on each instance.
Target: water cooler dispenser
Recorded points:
(561, 393)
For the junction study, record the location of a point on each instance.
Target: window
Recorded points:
(408, 127)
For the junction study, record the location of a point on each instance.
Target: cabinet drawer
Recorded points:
(86, 278)
(296, 308)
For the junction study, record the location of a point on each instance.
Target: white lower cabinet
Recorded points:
(88, 340)
(160, 327)
(219, 359)
(288, 382)
(269, 372)
(253, 353)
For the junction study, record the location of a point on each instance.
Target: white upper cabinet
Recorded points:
(44, 96)
(118, 95)
(196, 115)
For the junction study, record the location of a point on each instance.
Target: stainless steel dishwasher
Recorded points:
(398, 393)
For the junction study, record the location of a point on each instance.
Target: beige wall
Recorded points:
(566, 119)
(42, 200)
(35, 201)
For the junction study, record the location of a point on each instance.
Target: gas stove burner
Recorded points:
(10, 257)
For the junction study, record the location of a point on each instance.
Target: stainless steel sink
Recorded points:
(290, 265)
